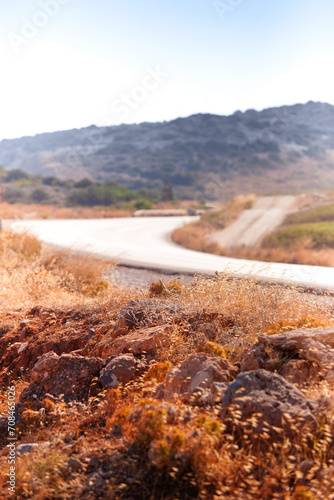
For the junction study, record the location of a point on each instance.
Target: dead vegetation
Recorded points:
(124, 442)
(40, 211)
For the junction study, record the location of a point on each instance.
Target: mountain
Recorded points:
(286, 149)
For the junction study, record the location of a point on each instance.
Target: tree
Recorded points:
(167, 193)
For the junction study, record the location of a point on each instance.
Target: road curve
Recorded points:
(145, 242)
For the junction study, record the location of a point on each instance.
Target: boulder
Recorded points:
(315, 345)
(197, 371)
(68, 374)
(298, 371)
(268, 394)
(121, 370)
(256, 359)
(310, 352)
(139, 341)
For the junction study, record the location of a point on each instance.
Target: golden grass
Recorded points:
(236, 311)
(303, 255)
(31, 274)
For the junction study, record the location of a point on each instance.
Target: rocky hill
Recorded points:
(278, 150)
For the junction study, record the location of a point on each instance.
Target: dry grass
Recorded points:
(144, 448)
(232, 312)
(32, 275)
(305, 256)
(23, 211)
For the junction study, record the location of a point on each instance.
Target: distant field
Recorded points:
(314, 235)
(320, 214)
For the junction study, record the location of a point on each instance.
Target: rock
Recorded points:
(268, 394)
(312, 344)
(21, 449)
(197, 371)
(143, 340)
(22, 347)
(298, 371)
(91, 333)
(68, 374)
(24, 323)
(94, 463)
(147, 312)
(96, 481)
(74, 464)
(120, 369)
(256, 359)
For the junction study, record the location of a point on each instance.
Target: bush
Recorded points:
(13, 195)
(15, 175)
(39, 195)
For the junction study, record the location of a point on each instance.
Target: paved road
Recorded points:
(145, 242)
(266, 215)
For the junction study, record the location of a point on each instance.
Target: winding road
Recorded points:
(146, 243)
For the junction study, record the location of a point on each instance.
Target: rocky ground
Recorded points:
(214, 389)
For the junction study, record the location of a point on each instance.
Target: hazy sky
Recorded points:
(72, 63)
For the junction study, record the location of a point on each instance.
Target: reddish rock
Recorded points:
(140, 313)
(68, 374)
(315, 345)
(121, 370)
(139, 341)
(256, 359)
(197, 371)
(269, 395)
(299, 371)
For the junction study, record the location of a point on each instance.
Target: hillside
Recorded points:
(289, 149)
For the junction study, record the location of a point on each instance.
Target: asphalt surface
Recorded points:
(146, 243)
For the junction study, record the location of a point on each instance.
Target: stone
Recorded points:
(68, 374)
(197, 371)
(94, 463)
(268, 394)
(22, 347)
(315, 345)
(74, 464)
(140, 313)
(22, 449)
(143, 340)
(298, 371)
(95, 480)
(256, 359)
(119, 370)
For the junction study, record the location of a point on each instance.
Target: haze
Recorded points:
(69, 63)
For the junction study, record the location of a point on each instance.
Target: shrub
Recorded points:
(39, 195)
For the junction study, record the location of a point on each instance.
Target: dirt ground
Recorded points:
(266, 215)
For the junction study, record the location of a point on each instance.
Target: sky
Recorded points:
(73, 63)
